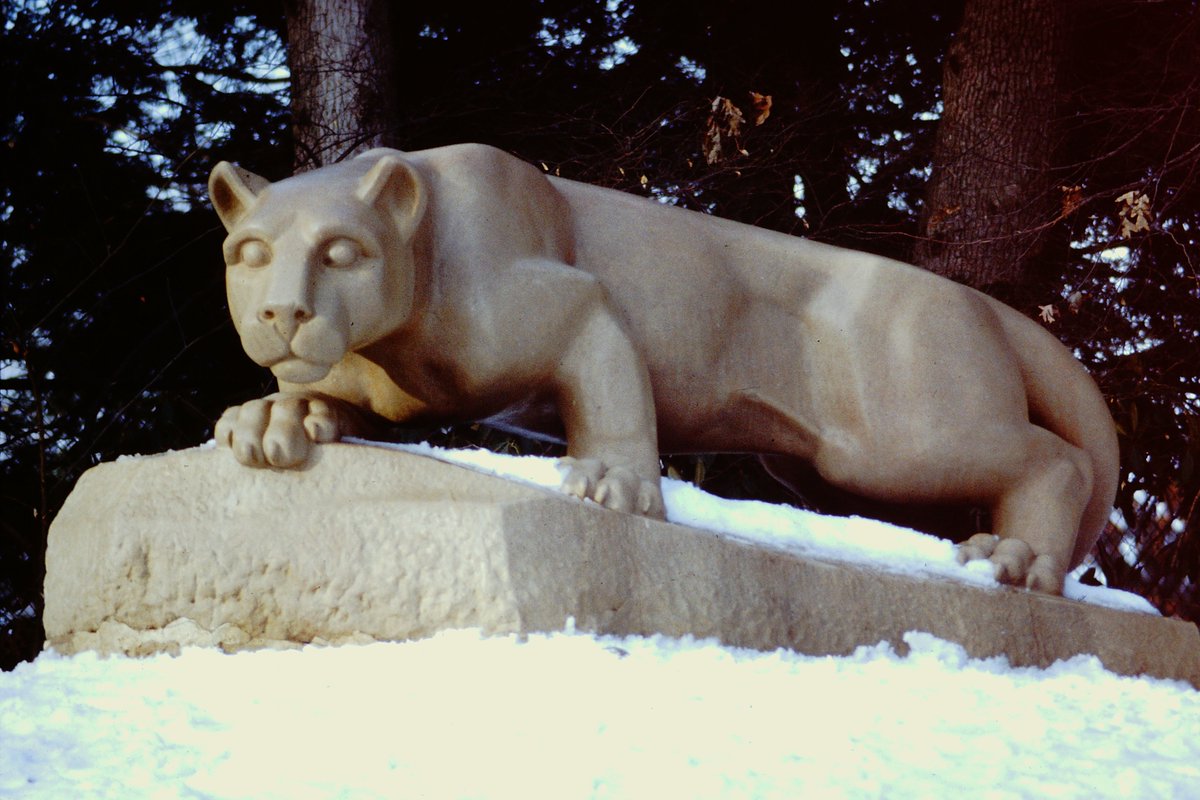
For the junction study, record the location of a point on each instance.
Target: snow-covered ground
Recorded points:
(571, 715)
(574, 716)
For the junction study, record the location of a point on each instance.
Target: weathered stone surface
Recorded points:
(366, 543)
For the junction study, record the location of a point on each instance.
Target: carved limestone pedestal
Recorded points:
(149, 554)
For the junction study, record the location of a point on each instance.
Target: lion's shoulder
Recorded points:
(467, 169)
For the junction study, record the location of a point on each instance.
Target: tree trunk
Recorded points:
(343, 78)
(991, 199)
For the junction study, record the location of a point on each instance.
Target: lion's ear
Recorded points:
(395, 189)
(233, 190)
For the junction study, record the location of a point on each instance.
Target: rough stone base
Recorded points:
(370, 544)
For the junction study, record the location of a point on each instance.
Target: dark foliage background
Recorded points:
(116, 339)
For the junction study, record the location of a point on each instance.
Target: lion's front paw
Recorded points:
(1014, 562)
(278, 430)
(618, 488)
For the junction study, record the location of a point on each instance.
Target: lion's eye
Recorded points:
(254, 253)
(341, 252)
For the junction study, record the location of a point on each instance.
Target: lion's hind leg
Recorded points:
(1035, 483)
(1037, 486)
(1036, 518)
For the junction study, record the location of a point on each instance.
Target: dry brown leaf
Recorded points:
(941, 215)
(730, 116)
(724, 122)
(761, 103)
(1048, 313)
(712, 142)
(1072, 199)
(1134, 213)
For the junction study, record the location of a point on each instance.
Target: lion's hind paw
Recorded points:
(1014, 562)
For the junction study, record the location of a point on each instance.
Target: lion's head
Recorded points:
(319, 264)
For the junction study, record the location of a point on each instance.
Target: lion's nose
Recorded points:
(285, 317)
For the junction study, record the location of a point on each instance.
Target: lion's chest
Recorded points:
(459, 370)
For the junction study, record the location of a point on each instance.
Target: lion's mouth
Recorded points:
(306, 357)
(297, 370)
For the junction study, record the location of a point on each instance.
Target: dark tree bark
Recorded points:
(340, 54)
(991, 199)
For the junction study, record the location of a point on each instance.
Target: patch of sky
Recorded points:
(7, 616)
(618, 51)
(1128, 549)
(865, 167)
(899, 202)
(268, 61)
(691, 69)
(552, 35)
(798, 192)
(673, 194)
(1118, 256)
(12, 369)
(39, 338)
(1141, 342)
(177, 45)
(264, 58)
(105, 92)
(18, 255)
(930, 115)
(36, 6)
(618, 11)
(666, 195)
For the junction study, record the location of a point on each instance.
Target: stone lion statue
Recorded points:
(460, 283)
